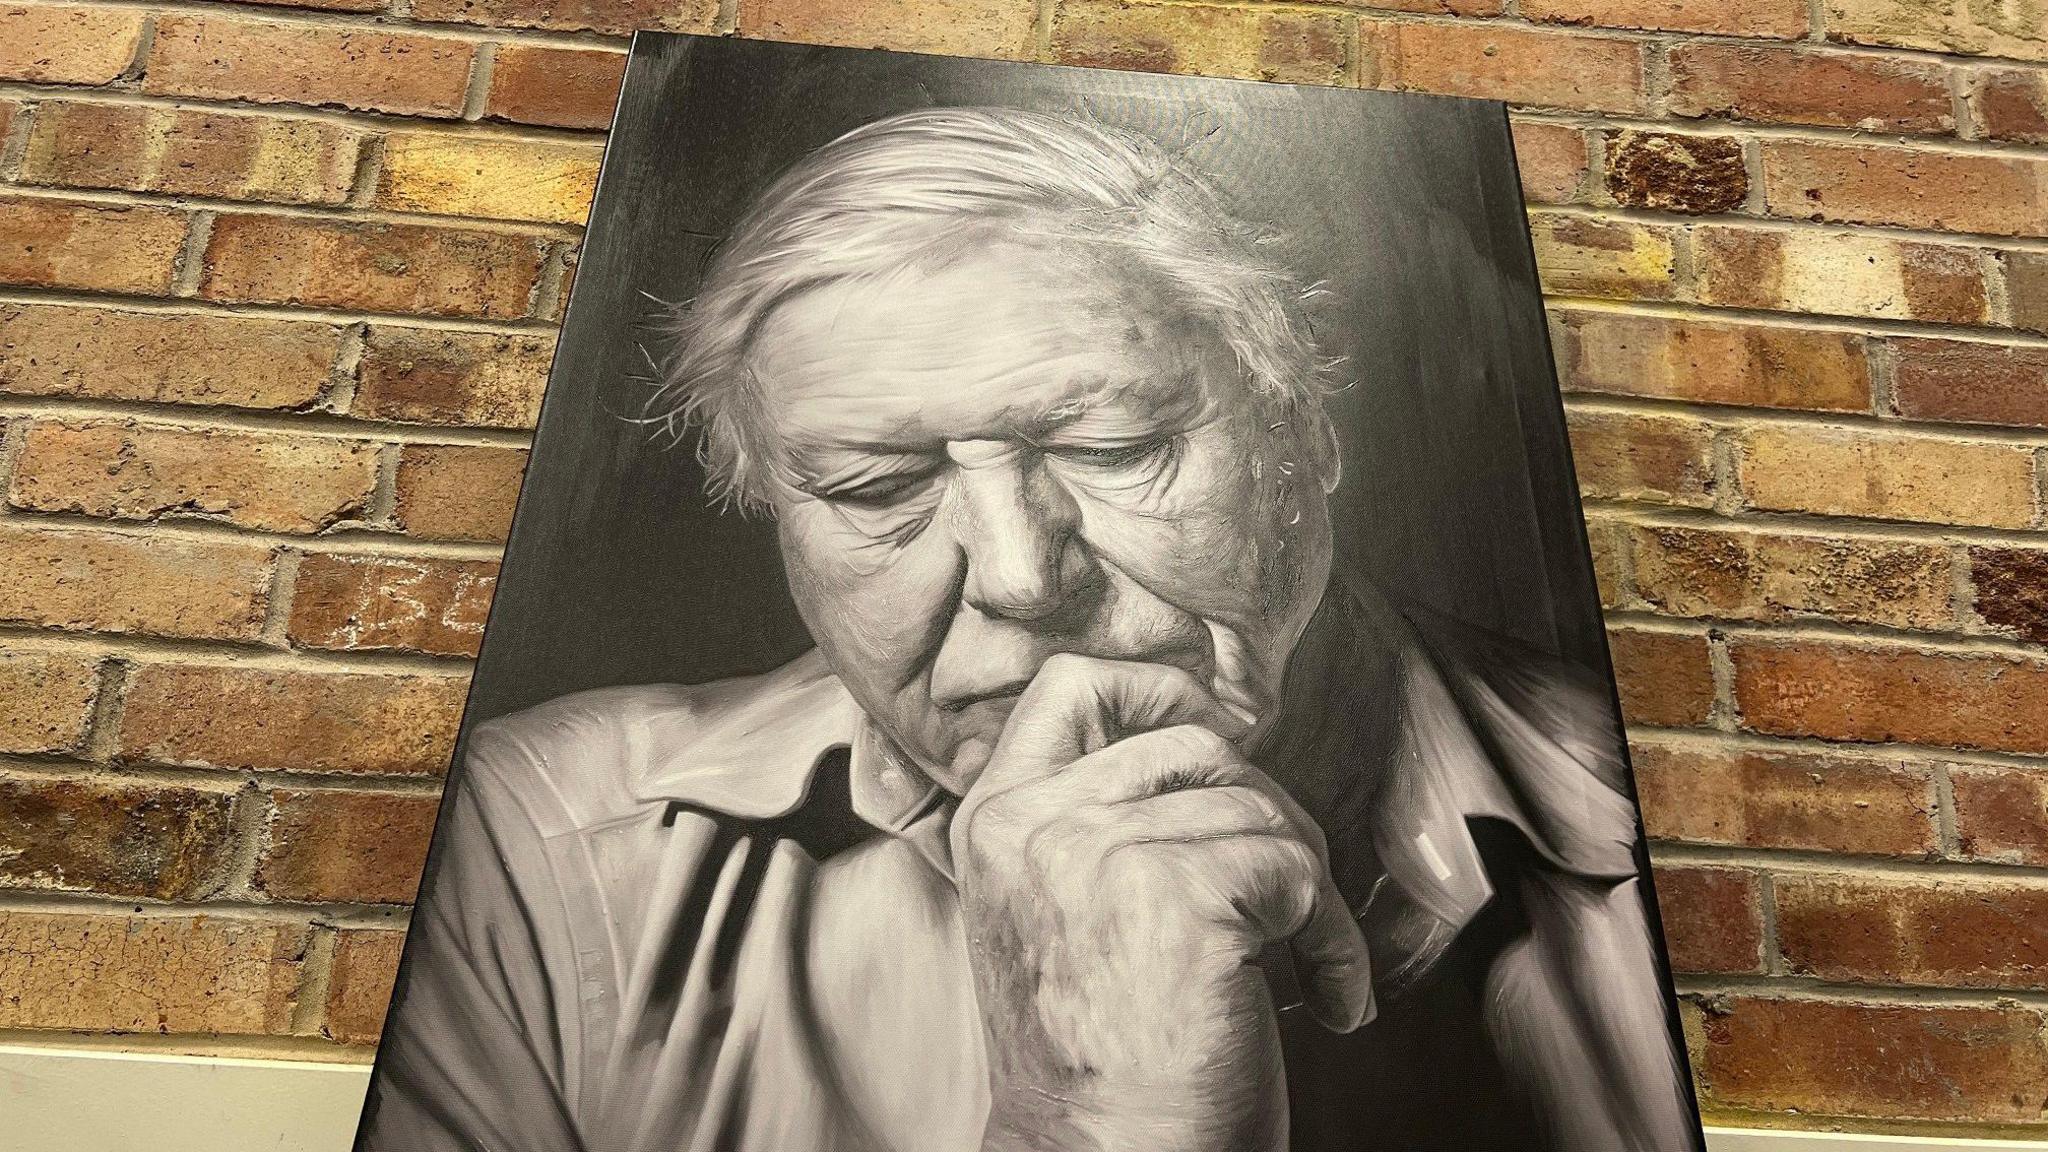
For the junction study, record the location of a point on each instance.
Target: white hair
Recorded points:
(921, 188)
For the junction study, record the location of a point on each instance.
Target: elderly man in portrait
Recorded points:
(1105, 814)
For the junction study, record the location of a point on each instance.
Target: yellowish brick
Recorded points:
(1888, 476)
(497, 179)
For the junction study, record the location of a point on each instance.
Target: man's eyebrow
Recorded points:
(1165, 397)
(843, 467)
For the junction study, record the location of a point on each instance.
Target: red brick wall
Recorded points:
(277, 292)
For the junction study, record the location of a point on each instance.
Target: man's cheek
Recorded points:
(881, 619)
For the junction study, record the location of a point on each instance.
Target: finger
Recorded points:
(1164, 760)
(1331, 963)
(1194, 815)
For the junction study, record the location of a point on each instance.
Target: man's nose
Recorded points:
(1018, 530)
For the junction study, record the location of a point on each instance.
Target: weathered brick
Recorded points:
(993, 28)
(1676, 172)
(1757, 365)
(128, 471)
(1828, 1057)
(228, 716)
(269, 62)
(1885, 694)
(422, 376)
(1780, 19)
(346, 847)
(1618, 259)
(2001, 813)
(95, 247)
(1815, 802)
(153, 841)
(1663, 677)
(1841, 273)
(66, 44)
(1886, 476)
(2011, 105)
(1907, 187)
(163, 358)
(2026, 287)
(1968, 934)
(359, 985)
(1297, 47)
(2009, 590)
(185, 151)
(1497, 62)
(364, 603)
(466, 175)
(1744, 575)
(1970, 27)
(1795, 86)
(457, 491)
(111, 973)
(45, 701)
(1608, 541)
(1971, 381)
(1713, 918)
(404, 268)
(1625, 456)
(1552, 160)
(563, 87)
(613, 17)
(125, 582)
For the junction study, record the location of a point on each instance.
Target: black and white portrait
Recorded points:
(1048, 612)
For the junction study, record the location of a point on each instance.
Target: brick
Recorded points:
(189, 152)
(93, 247)
(271, 481)
(422, 376)
(1431, 7)
(403, 268)
(1616, 259)
(2001, 813)
(463, 175)
(359, 986)
(346, 847)
(1295, 47)
(1552, 159)
(1906, 187)
(1660, 459)
(270, 719)
(2009, 590)
(1713, 918)
(1753, 365)
(267, 62)
(1675, 172)
(1907, 1061)
(45, 700)
(458, 492)
(2026, 286)
(1779, 19)
(612, 17)
(561, 87)
(1969, 27)
(1950, 934)
(63, 44)
(1608, 542)
(1743, 575)
(329, 5)
(1794, 86)
(1798, 801)
(1663, 677)
(1971, 381)
(1519, 66)
(1886, 476)
(157, 842)
(1842, 274)
(163, 358)
(2011, 105)
(1884, 694)
(989, 28)
(370, 603)
(114, 973)
(123, 582)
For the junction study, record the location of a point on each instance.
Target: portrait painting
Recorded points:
(1048, 611)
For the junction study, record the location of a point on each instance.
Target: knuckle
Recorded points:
(1196, 742)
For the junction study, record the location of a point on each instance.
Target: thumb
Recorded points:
(1332, 965)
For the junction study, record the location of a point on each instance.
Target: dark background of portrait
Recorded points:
(1457, 485)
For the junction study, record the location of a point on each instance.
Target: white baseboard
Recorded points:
(85, 1100)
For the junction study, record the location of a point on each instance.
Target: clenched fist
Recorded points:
(1121, 867)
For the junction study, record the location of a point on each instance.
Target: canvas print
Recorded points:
(1048, 611)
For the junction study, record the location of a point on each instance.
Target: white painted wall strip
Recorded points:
(82, 1100)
